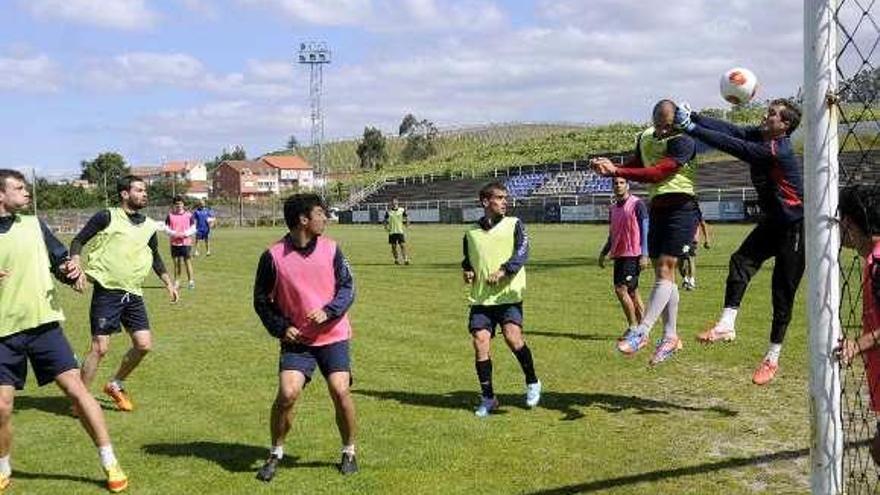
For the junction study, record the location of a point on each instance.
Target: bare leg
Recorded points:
(338, 384)
(7, 399)
(290, 386)
(90, 415)
(97, 350)
(141, 345)
(627, 304)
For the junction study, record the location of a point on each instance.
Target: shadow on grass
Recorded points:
(24, 475)
(566, 403)
(570, 335)
(55, 404)
(662, 474)
(233, 457)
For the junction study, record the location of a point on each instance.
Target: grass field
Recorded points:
(606, 424)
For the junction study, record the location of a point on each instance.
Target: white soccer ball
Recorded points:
(738, 85)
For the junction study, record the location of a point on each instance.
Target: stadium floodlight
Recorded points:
(315, 54)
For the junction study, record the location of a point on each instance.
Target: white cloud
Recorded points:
(148, 70)
(29, 73)
(127, 15)
(391, 15)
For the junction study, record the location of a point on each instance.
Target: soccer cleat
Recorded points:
(117, 481)
(208, 253)
(196, 253)
(486, 407)
(666, 347)
(267, 470)
(533, 393)
(123, 402)
(406, 261)
(5, 480)
(717, 333)
(765, 372)
(348, 464)
(632, 342)
(191, 285)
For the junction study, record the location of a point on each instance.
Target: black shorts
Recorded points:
(672, 229)
(396, 239)
(626, 272)
(181, 251)
(47, 349)
(329, 358)
(113, 309)
(488, 317)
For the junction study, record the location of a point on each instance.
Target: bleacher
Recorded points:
(575, 179)
(524, 185)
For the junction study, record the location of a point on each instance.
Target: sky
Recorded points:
(159, 80)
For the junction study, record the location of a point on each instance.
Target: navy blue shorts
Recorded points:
(396, 239)
(47, 349)
(626, 272)
(113, 309)
(488, 317)
(202, 235)
(303, 358)
(180, 251)
(672, 229)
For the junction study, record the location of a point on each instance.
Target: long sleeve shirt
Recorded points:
(57, 252)
(678, 153)
(101, 221)
(264, 286)
(775, 170)
(520, 253)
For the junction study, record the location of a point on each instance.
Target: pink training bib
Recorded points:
(304, 283)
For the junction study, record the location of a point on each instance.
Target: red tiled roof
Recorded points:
(145, 170)
(177, 166)
(254, 166)
(287, 162)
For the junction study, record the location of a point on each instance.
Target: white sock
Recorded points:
(348, 449)
(277, 451)
(5, 467)
(656, 304)
(773, 353)
(728, 317)
(670, 314)
(108, 458)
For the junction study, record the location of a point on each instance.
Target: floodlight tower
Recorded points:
(316, 54)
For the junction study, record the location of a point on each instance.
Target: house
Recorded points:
(249, 179)
(194, 173)
(294, 172)
(150, 173)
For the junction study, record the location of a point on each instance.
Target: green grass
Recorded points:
(606, 424)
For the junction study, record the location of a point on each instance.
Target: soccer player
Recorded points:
(396, 220)
(777, 178)
(124, 248)
(495, 253)
(30, 328)
(181, 226)
(205, 221)
(302, 293)
(663, 158)
(860, 230)
(628, 246)
(687, 264)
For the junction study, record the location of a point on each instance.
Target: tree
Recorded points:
(864, 86)
(237, 153)
(371, 150)
(408, 122)
(292, 143)
(103, 172)
(162, 191)
(420, 137)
